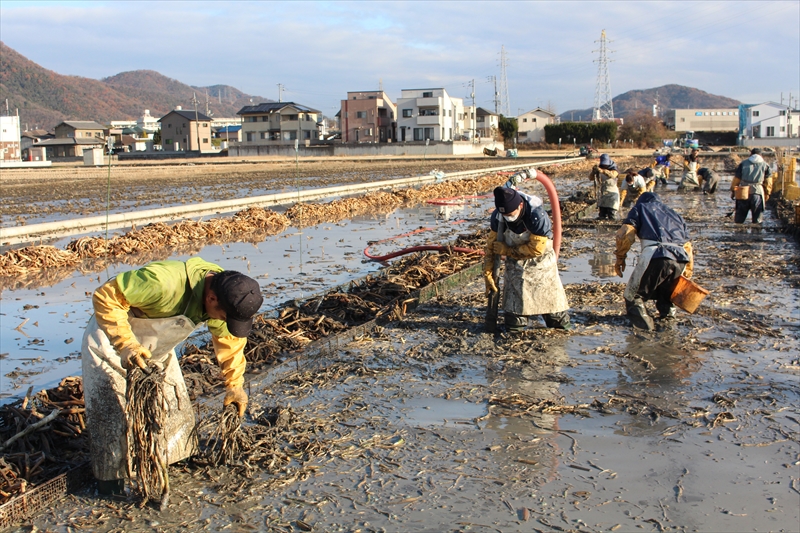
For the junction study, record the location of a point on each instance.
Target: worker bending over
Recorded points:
(661, 168)
(755, 174)
(689, 180)
(635, 184)
(522, 231)
(666, 254)
(605, 176)
(708, 180)
(139, 318)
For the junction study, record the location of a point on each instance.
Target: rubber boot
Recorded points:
(557, 320)
(110, 487)
(515, 322)
(637, 314)
(667, 312)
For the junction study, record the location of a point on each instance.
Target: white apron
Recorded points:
(689, 178)
(532, 286)
(648, 249)
(104, 385)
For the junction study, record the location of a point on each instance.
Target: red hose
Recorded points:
(556, 207)
(434, 247)
(438, 248)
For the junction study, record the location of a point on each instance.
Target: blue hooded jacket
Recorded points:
(654, 221)
(607, 163)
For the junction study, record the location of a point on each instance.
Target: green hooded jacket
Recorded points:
(165, 289)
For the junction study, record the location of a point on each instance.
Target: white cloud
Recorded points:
(320, 50)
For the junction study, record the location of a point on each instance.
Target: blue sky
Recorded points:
(318, 51)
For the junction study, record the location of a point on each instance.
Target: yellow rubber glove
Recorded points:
(619, 266)
(236, 395)
(625, 236)
(536, 247)
(501, 248)
(767, 187)
(689, 269)
(622, 194)
(230, 356)
(734, 183)
(111, 312)
(134, 355)
(651, 185)
(488, 279)
(488, 263)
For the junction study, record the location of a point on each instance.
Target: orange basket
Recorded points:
(742, 193)
(687, 294)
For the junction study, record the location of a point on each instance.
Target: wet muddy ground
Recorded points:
(429, 424)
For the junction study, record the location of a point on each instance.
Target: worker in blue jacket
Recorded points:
(666, 254)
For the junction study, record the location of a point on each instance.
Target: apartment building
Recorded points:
(432, 114)
(367, 117)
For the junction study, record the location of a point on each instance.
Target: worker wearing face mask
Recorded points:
(522, 231)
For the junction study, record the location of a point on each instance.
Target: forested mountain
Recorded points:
(45, 98)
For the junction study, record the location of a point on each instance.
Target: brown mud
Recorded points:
(429, 424)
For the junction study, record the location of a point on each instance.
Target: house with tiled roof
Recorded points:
(278, 123)
(80, 129)
(185, 130)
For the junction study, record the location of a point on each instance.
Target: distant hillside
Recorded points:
(45, 98)
(669, 97)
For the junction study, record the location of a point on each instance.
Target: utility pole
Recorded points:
(196, 121)
(505, 104)
(603, 104)
(493, 79)
(281, 88)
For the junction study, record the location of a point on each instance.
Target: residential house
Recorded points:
(431, 114)
(487, 123)
(278, 123)
(530, 125)
(716, 119)
(80, 129)
(764, 121)
(367, 117)
(228, 133)
(72, 137)
(10, 149)
(29, 144)
(793, 123)
(184, 130)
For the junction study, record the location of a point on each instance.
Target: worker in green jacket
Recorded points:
(140, 316)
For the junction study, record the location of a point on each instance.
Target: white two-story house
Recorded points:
(432, 114)
(531, 125)
(764, 121)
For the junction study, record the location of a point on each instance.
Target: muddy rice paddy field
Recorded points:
(421, 422)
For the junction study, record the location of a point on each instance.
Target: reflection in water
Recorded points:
(658, 388)
(533, 433)
(602, 264)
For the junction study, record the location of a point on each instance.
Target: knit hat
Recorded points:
(506, 200)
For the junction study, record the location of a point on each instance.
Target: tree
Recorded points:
(644, 129)
(157, 137)
(508, 127)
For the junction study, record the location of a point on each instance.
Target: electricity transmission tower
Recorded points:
(603, 106)
(504, 103)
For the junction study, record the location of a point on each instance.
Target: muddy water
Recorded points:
(693, 427)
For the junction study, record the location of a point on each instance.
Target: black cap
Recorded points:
(240, 297)
(755, 151)
(506, 200)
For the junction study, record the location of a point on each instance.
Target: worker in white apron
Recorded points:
(666, 254)
(532, 285)
(140, 316)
